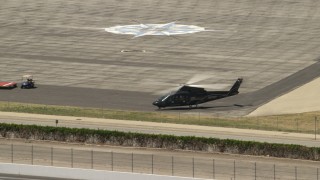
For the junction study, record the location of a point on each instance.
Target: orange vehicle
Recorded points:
(7, 85)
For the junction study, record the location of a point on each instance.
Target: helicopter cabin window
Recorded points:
(179, 98)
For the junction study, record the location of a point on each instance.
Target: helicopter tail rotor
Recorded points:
(234, 89)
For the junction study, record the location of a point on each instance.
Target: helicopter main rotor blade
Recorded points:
(166, 91)
(198, 77)
(211, 86)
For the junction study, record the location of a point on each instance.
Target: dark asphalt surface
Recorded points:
(241, 104)
(23, 177)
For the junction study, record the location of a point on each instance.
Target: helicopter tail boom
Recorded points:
(234, 89)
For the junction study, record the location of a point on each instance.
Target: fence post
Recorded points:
(234, 169)
(51, 156)
(255, 170)
(102, 115)
(91, 159)
(213, 170)
(111, 160)
(317, 173)
(172, 165)
(274, 171)
(193, 167)
(132, 162)
(11, 153)
(152, 163)
(71, 157)
(32, 154)
(296, 173)
(315, 127)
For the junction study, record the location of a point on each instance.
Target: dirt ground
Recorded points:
(303, 99)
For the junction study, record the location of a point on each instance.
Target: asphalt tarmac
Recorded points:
(273, 45)
(239, 105)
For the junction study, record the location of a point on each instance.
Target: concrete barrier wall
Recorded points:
(75, 173)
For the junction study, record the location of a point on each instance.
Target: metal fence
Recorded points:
(153, 164)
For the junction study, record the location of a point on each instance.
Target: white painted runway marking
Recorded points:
(155, 29)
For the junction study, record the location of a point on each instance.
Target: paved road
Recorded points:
(76, 64)
(164, 128)
(23, 177)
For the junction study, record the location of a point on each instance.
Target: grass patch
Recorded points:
(304, 123)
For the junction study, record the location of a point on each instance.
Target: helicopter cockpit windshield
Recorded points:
(163, 98)
(162, 101)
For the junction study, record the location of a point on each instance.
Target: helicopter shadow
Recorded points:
(204, 107)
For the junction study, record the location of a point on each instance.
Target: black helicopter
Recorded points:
(190, 96)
